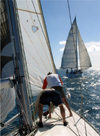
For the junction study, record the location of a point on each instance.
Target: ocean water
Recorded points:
(85, 95)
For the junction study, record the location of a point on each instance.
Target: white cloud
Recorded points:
(62, 42)
(61, 49)
(93, 46)
(92, 43)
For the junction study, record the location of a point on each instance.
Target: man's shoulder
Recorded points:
(53, 75)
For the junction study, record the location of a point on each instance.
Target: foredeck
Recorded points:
(76, 126)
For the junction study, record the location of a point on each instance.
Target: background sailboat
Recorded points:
(75, 56)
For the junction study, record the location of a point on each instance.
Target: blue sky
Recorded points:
(87, 13)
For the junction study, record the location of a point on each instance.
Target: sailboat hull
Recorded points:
(74, 74)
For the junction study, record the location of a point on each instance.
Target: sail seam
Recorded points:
(28, 11)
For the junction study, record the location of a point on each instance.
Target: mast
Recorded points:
(21, 88)
(30, 56)
(76, 44)
(69, 55)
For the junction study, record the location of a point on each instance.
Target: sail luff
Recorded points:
(20, 83)
(46, 35)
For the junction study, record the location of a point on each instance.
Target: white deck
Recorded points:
(75, 127)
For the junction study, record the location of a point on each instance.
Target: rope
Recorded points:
(70, 128)
(82, 112)
(75, 46)
(69, 12)
(85, 128)
(81, 107)
(76, 126)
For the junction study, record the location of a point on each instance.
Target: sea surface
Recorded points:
(85, 95)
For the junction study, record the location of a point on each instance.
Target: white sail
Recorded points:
(69, 55)
(75, 53)
(35, 42)
(85, 62)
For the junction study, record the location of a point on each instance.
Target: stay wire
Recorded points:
(75, 44)
(74, 123)
(69, 12)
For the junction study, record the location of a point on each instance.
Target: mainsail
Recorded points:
(75, 53)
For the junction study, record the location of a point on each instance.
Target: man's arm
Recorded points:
(60, 80)
(44, 83)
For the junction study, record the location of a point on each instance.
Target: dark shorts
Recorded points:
(60, 90)
(50, 96)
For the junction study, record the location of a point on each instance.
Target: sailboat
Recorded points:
(26, 58)
(75, 56)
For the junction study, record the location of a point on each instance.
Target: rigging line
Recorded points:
(75, 45)
(74, 123)
(9, 121)
(25, 68)
(69, 12)
(82, 111)
(76, 126)
(38, 53)
(85, 128)
(21, 105)
(69, 126)
(72, 130)
(46, 38)
(38, 33)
